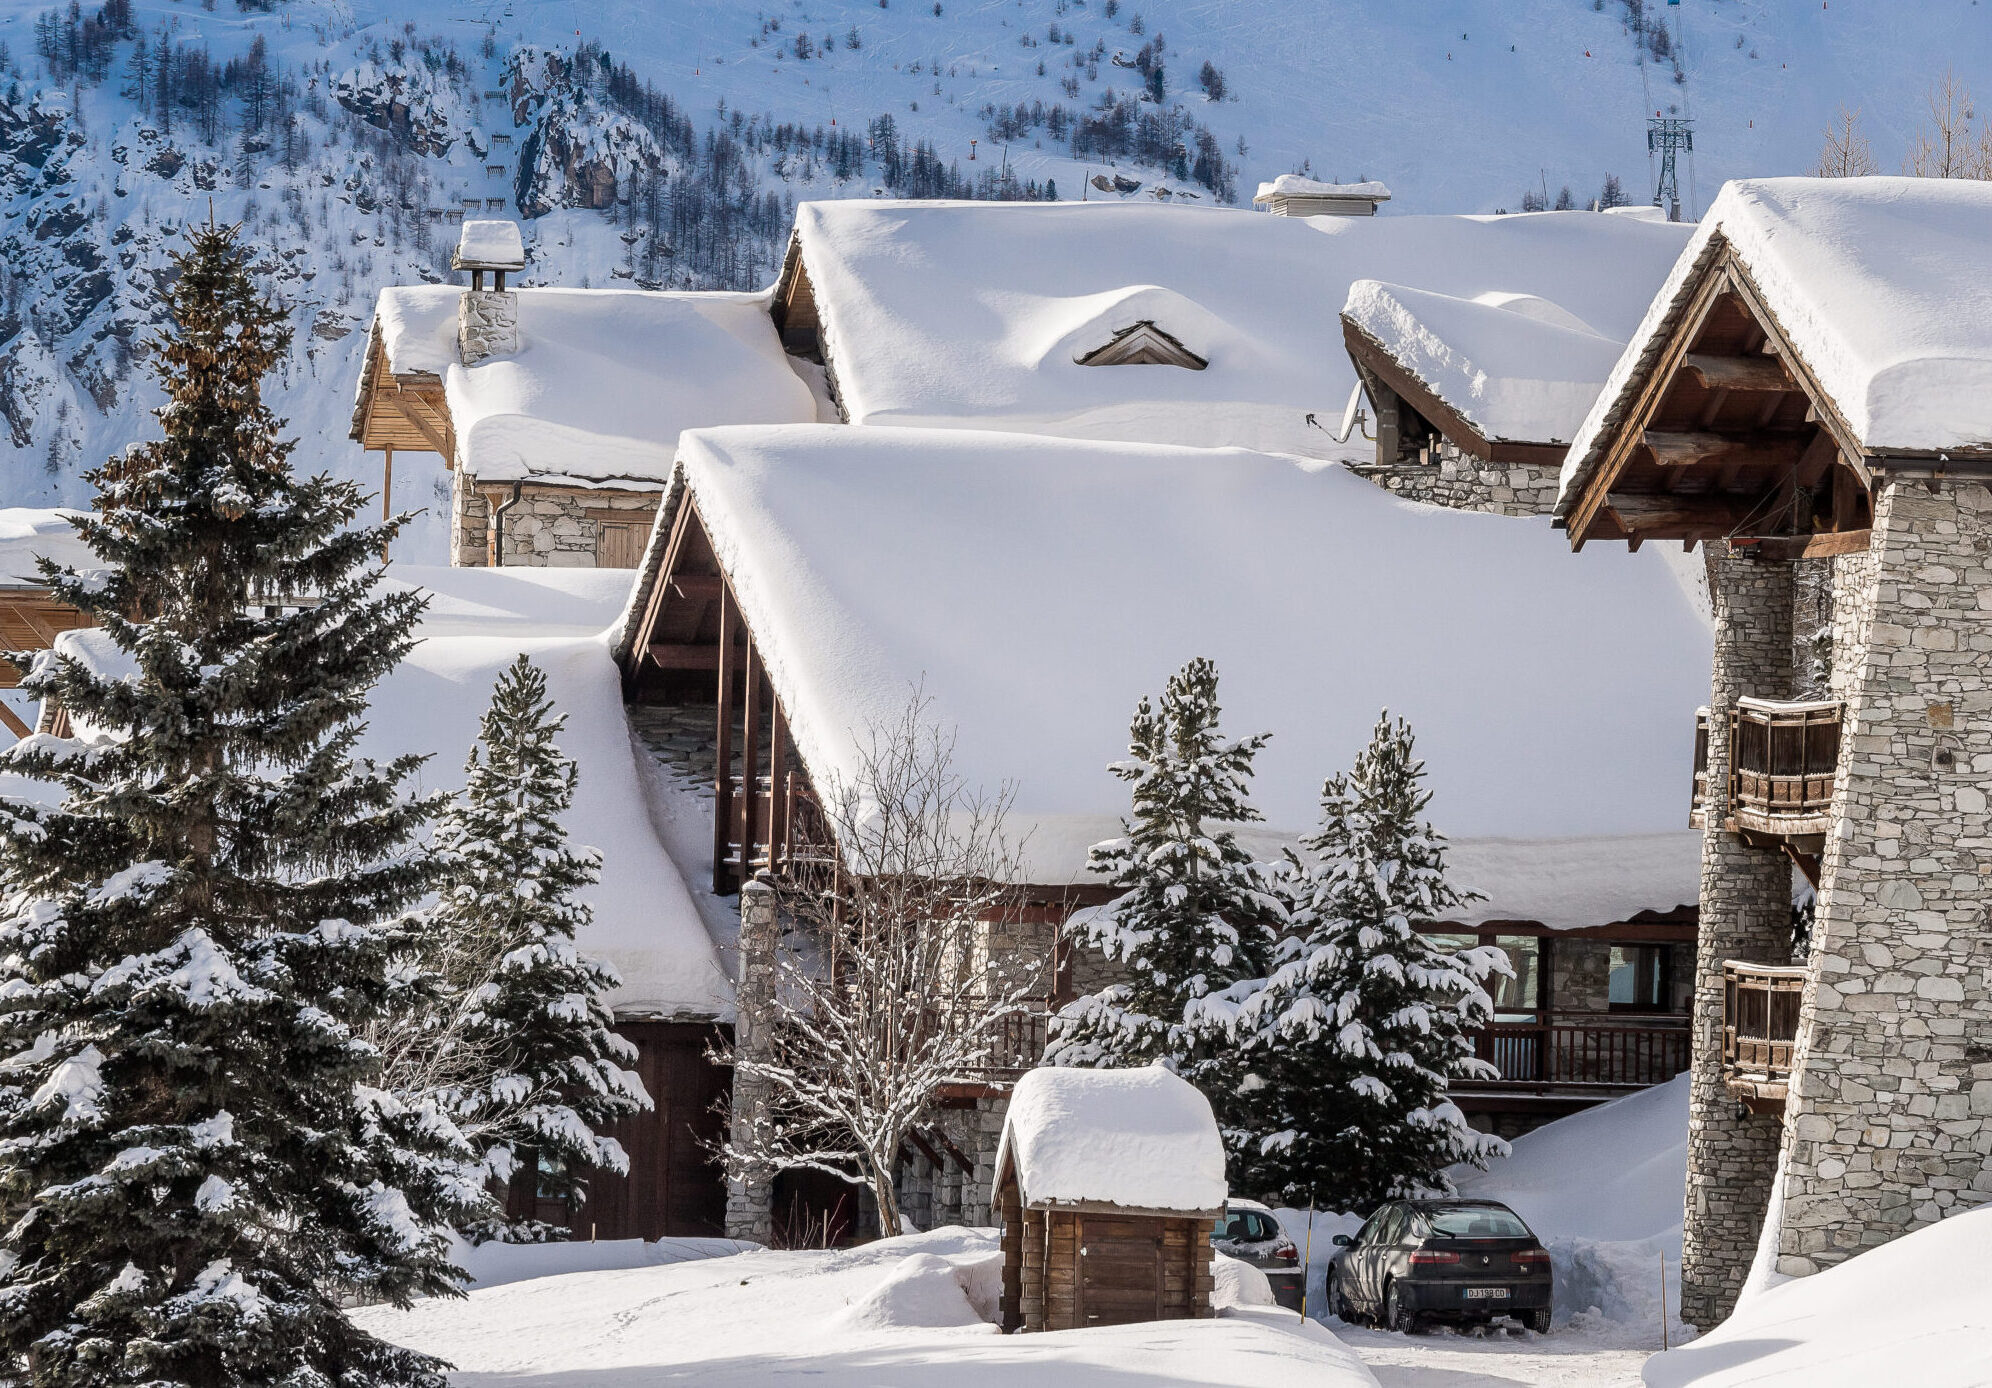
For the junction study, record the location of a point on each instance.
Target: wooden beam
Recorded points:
(1806, 546)
(1752, 373)
(696, 587)
(779, 789)
(750, 760)
(1664, 516)
(722, 816)
(14, 723)
(1684, 450)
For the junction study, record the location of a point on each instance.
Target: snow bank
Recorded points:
(604, 379)
(28, 534)
(497, 1264)
(858, 1318)
(1235, 1282)
(1880, 285)
(490, 244)
(1515, 366)
(927, 1290)
(963, 314)
(1142, 1139)
(1036, 588)
(1913, 1311)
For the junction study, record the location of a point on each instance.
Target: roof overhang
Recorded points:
(1720, 432)
(1380, 370)
(401, 410)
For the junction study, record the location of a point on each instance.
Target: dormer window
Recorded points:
(1143, 344)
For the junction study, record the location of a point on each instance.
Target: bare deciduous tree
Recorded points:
(1846, 153)
(895, 974)
(1944, 148)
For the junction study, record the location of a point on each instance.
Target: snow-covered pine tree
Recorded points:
(1194, 914)
(1362, 1023)
(200, 909)
(526, 1007)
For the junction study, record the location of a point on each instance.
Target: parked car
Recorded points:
(1250, 1233)
(1454, 1260)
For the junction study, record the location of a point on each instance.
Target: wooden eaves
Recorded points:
(1723, 433)
(1382, 372)
(405, 410)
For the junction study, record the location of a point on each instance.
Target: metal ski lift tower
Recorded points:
(1666, 136)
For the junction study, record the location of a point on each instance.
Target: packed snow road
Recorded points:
(1574, 1358)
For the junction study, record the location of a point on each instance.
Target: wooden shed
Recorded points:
(1107, 1184)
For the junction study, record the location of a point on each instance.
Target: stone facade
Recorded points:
(487, 324)
(1889, 1121)
(1745, 914)
(750, 1199)
(1445, 476)
(549, 527)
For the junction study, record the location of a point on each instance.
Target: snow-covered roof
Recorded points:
(603, 380)
(1878, 283)
(1299, 186)
(1141, 1139)
(490, 245)
(1035, 589)
(972, 315)
(1517, 367)
(645, 921)
(28, 534)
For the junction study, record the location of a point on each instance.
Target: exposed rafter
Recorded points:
(1143, 344)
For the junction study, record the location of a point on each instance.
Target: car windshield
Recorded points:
(1246, 1226)
(1473, 1222)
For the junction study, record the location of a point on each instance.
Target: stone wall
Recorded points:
(750, 1199)
(1445, 476)
(1745, 914)
(1889, 1120)
(550, 527)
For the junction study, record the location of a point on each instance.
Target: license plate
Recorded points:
(1486, 1293)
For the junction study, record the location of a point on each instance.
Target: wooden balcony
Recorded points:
(1760, 1005)
(1600, 1058)
(1782, 757)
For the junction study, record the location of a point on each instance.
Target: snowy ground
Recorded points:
(908, 1311)
(1568, 1357)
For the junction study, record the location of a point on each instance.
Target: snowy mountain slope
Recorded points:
(694, 127)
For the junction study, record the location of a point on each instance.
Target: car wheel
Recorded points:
(1397, 1315)
(1338, 1302)
(1538, 1321)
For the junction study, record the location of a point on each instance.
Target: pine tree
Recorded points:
(1362, 1023)
(1194, 914)
(200, 910)
(546, 1068)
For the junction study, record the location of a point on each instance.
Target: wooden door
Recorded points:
(619, 546)
(1120, 1270)
(674, 1186)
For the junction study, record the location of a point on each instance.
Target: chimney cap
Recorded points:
(489, 245)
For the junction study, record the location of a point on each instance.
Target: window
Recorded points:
(1519, 999)
(1477, 1222)
(1247, 1226)
(1639, 979)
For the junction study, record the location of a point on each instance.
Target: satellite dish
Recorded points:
(1352, 413)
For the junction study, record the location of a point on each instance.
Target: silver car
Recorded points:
(1250, 1233)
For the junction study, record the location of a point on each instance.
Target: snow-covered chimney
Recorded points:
(488, 319)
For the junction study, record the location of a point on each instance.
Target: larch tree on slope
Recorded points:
(519, 1047)
(204, 908)
(1194, 914)
(1363, 1022)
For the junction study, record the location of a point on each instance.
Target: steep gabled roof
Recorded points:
(1877, 288)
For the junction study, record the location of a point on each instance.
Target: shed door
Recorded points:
(1120, 1270)
(619, 546)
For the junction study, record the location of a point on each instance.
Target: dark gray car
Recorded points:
(1251, 1233)
(1455, 1260)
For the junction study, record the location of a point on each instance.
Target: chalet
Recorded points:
(1809, 399)
(556, 410)
(1292, 195)
(1475, 397)
(802, 580)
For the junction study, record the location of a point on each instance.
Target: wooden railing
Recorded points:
(1760, 1005)
(1535, 1053)
(1016, 1044)
(1782, 757)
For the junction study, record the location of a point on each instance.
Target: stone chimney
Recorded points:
(488, 319)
